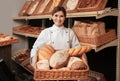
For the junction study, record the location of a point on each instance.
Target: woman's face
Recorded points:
(58, 18)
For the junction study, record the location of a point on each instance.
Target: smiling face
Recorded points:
(58, 18)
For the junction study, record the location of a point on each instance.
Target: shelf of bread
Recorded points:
(27, 30)
(97, 14)
(21, 57)
(95, 34)
(108, 12)
(7, 40)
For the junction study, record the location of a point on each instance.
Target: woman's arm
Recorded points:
(40, 41)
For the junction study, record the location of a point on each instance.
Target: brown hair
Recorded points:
(59, 8)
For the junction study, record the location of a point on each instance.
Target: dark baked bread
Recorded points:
(76, 63)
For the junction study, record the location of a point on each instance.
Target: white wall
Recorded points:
(10, 9)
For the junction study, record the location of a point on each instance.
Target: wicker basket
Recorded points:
(99, 40)
(61, 74)
(99, 5)
(8, 42)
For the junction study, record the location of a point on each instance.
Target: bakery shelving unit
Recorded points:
(97, 15)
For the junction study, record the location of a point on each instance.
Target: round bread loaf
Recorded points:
(78, 65)
(59, 59)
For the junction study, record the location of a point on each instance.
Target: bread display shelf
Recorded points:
(21, 57)
(97, 14)
(27, 31)
(7, 40)
(25, 34)
(112, 43)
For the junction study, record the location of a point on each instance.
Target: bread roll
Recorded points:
(43, 65)
(45, 52)
(76, 63)
(59, 59)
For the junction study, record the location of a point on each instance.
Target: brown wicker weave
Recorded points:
(99, 40)
(61, 75)
(99, 5)
(8, 42)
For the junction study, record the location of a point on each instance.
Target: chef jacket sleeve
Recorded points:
(40, 41)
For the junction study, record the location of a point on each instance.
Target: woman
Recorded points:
(57, 36)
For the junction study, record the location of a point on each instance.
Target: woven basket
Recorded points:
(100, 5)
(99, 40)
(61, 74)
(8, 42)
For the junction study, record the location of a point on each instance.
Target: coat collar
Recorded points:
(54, 27)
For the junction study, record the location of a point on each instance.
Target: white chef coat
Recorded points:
(58, 37)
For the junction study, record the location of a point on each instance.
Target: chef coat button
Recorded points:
(67, 41)
(66, 32)
(52, 42)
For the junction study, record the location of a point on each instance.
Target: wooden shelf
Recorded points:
(7, 40)
(24, 63)
(22, 66)
(25, 34)
(96, 48)
(97, 14)
(112, 43)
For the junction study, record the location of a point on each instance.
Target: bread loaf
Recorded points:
(70, 51)
(43, 65)
(45, 52)
(59, 59)
(78, 51)
(76, 63)
(71, 4)
(24, 8)
(32, 7)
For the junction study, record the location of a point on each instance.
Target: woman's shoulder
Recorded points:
(46, 29)
(69, 29)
